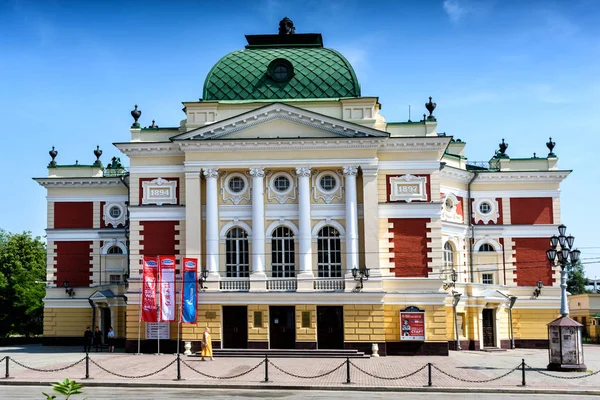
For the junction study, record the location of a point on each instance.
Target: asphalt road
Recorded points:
(93, 393)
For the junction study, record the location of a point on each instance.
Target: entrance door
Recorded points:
(330, 327)
(282, 327)
(235, 327)
(488, 328)
(106, 323)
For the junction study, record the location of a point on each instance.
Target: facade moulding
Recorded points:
(87, 197)
(193, 166)
(79, 182)
(84, 234)
(524, 177)
(425, 167)
(410, 210)
(156, 213)
(156, 169)
(455, 174)
(292, 298)
(149, 149)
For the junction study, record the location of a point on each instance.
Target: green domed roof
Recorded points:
(281, 73)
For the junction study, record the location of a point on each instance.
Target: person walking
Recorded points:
(111, 340)
(98, 339)
(88, 337)
(207, 345)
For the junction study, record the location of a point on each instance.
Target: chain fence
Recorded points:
(477, 381)
(46, 370)
(133, 376)
(561, 377)
(522, 367)
(389, 378)
(307, 377)
(223, 377)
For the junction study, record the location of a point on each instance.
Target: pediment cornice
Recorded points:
(78, 182)
(280, 111)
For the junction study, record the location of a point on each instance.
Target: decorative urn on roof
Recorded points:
(53, 153)
(97, 153)
(135, 113)
(503, 146)
(550, 145)
(430, 107)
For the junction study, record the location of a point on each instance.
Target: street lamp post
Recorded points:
(512, 300)
(565, 339)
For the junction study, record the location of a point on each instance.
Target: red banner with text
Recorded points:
(149, 282)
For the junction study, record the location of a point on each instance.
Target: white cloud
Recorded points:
(456, 9)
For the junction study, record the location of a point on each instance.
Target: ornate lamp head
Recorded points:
(453, 275)
(575, 255)
(551, 254)
(562, 229)
(354, 272)
(570, 241)
(554, 241)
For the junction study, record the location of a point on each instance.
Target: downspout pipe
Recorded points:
(124, 182)
(471, 225)
(93, 313)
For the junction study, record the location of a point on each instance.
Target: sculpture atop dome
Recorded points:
(286, 27)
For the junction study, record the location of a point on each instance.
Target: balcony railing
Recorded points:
(330, 284)
(234, 284)
(282, 284)
(493, 165)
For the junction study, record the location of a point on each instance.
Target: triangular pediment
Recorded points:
(280, 121)
(102, 295)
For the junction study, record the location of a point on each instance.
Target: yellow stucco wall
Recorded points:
(194, 332)
(532, 324)
(65, 322)
(364, 323)
(258, 333)
(306, 334)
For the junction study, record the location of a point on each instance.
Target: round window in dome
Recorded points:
(280, 70)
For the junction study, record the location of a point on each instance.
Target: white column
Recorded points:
(193, 216)
(258, 220)
(212, 220)
(350, 173)
(304, 220)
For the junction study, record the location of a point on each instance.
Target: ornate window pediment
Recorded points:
(114, 214)
(486, 210)
(159, 191)
(327, 185)
(450, 208)
(281, 187)
(408, 188)
(235, 187)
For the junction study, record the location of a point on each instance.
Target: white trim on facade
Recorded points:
(328, 222)
(157, 213)
(410, 210)
(87, 197)
(80, 235)
(235, 224)
(280, 222)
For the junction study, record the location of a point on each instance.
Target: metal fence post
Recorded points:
(87, 365)
(266, 368)
(347, 369)
(523, 371)
(178, 367)
(7, 369)
(429, 374)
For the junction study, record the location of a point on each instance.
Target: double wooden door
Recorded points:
(235, 327)
(330, 327)
(489, 339)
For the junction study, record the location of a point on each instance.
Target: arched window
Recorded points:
(236, 253)
(448, 258)
(283, 255)
(486, 247)
(329, 253)
(114, 250)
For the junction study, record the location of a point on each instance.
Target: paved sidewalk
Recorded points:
(460, 370)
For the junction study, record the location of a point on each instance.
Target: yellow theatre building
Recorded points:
(289, 186)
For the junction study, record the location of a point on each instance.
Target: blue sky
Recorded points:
(70, 72)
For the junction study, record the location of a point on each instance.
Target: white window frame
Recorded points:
(327, 268)
(237, 268)
(280, 247)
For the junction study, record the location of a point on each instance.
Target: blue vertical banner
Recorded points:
(189, 291)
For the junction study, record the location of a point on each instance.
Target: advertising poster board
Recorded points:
(412, 324)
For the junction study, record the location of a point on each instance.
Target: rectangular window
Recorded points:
(258, 319)
(115, 279)
(306, 319)
(487, 279)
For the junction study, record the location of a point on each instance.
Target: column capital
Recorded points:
(257, 172)
(303, 171)
(350, 170)
(369, 170)
(211, 172)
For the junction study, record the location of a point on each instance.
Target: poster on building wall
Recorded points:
(149, 282)
(412, 324)
(167, 288)
(189, 291)
(154, 330)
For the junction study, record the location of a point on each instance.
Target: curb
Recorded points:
(349, 387)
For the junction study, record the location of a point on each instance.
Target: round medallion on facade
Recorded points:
(115, 212)
(281, 183)
(485, 207)
(449, 204)
(280, 70)
(236, 184)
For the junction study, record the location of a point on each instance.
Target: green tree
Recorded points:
(22, 265)
(576, 279)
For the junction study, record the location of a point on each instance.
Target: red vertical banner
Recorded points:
(149, 282)
(167, 288)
